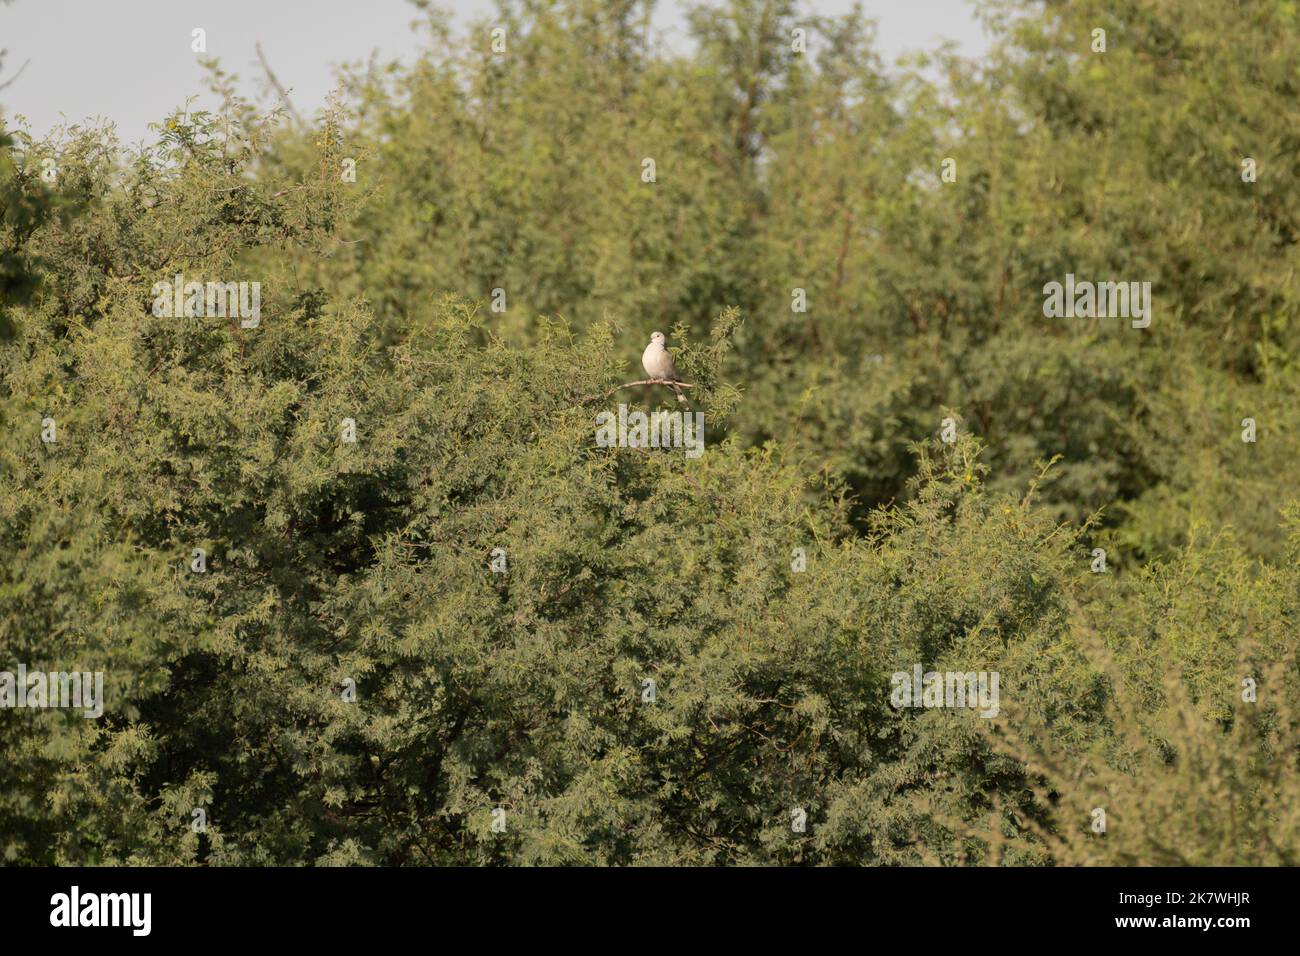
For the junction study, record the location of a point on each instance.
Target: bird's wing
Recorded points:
(670, 366)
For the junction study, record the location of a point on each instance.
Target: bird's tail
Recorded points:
(681, 397)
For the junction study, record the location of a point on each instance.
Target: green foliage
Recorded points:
(24, 208)
(332, 564)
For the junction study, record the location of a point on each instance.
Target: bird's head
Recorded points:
(656, 338)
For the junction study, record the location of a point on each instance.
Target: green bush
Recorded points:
(680, 655)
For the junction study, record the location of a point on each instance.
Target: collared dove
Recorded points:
(658, 363)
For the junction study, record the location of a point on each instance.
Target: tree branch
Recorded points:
(270, 75)
(9, 82)
(645, 381)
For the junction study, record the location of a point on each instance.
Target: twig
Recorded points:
(644, 381)
(270, 75)
(9, 82)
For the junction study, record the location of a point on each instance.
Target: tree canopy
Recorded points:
(365, 589)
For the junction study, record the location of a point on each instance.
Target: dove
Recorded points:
(658, 363)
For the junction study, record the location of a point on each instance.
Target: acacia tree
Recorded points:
(366, 588)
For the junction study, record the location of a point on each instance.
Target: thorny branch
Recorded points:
(644, 381)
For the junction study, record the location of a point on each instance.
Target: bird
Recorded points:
(658, 363)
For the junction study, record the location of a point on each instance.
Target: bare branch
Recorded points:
(270, 75)
(9, 82)
(645, 381)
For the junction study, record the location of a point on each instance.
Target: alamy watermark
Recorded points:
(660, 429)
(53, 689)
(1098, 300)
(180, 299)
(75, 908)
(973, 689)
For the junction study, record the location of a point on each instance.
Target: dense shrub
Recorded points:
(827, 539)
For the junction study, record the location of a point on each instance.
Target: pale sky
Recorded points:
(130, 60)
